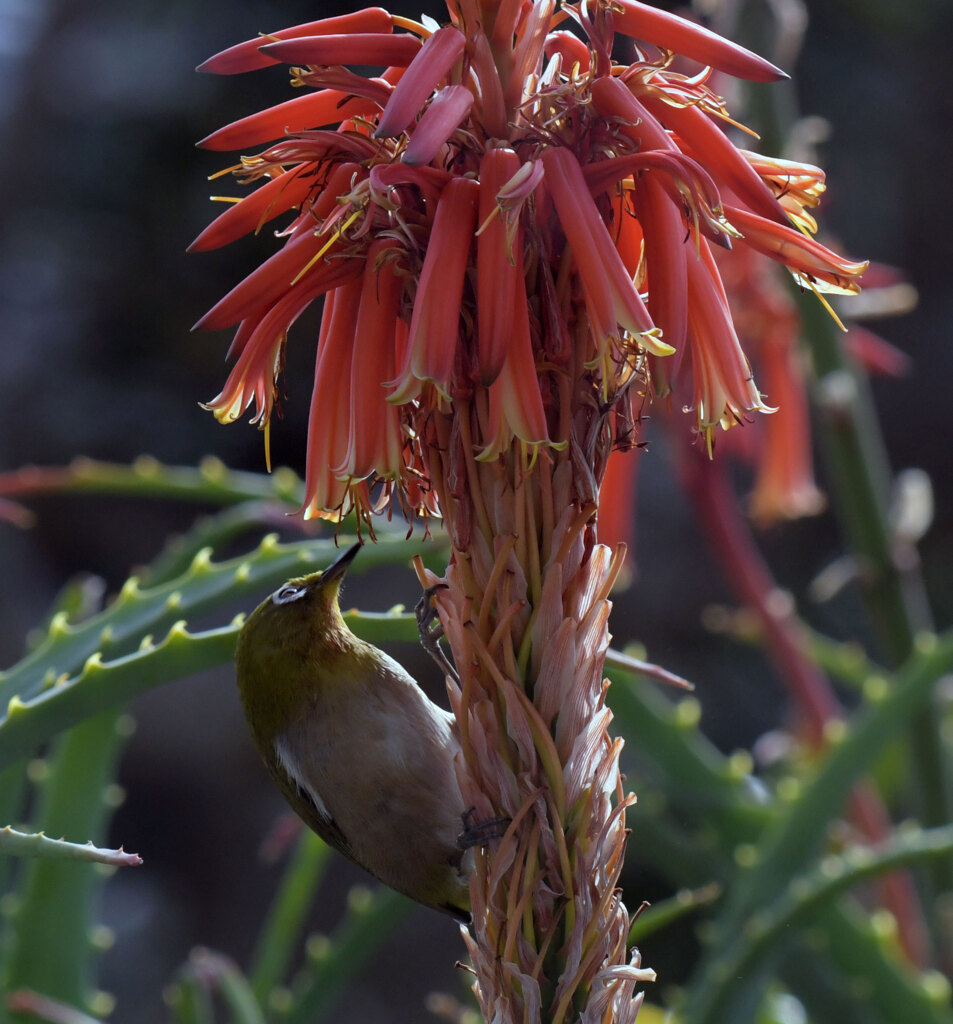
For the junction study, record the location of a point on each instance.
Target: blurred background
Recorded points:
(101, 190)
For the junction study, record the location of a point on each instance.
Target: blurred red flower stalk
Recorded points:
(513, 234)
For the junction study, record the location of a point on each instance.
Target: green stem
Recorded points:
(858, 472)
(859, 479)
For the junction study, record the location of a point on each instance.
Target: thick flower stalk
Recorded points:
(512, 233)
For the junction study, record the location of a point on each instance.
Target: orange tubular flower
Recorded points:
(512, 234)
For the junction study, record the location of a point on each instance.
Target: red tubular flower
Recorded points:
(275, 277)
(702, 139)
(355, 48)
(330, 418)
(785, 487)
(279, 195)
(444, 115)
(669, 32)
(612, 300)
(808, 259)
(314, 110)
(724, 387)
(248, 56)
(375, 440)
(434, 328)
(501, 282)
(436, 57)
(667, 252)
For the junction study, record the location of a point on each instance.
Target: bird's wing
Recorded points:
(305, 799)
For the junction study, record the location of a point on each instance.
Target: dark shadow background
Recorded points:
(101, 191)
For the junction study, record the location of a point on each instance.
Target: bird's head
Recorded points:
(295, 641)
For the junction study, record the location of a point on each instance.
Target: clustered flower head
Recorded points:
(506, 218)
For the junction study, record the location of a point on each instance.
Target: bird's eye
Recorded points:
(288, 593)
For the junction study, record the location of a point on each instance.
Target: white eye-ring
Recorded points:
(288, 593)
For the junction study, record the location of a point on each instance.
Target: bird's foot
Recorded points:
(431, 631)
(482, 833)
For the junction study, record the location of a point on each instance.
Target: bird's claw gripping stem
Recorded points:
(431, 632)
(479, 835)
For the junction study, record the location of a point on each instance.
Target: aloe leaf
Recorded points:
(799, 834)
(766, 929)
(212, 532)
(282, 929)
(210, 483)
(103, 685)
(887, 988)
(205, 586)
(42, 1008)
(189, 999)
(50, 951)
(12, 792)
(696, 774)
(37, 844)
(100, 685)
(796, 837)
(220, 974)
(660, 915)
(333, 964)
(669, 828)
(845, 971)
(844, 661)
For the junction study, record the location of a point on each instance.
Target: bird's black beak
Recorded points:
(336, 570)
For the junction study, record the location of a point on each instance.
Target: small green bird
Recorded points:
(360, 752)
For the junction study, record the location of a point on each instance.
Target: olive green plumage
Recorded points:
(356, 747)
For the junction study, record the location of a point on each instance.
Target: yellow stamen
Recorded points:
(227, 170)
(266, 429)
(411, 26)
(737, 124)
(226, 199)
(338, 231)
(494, 213)
(830, 309)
